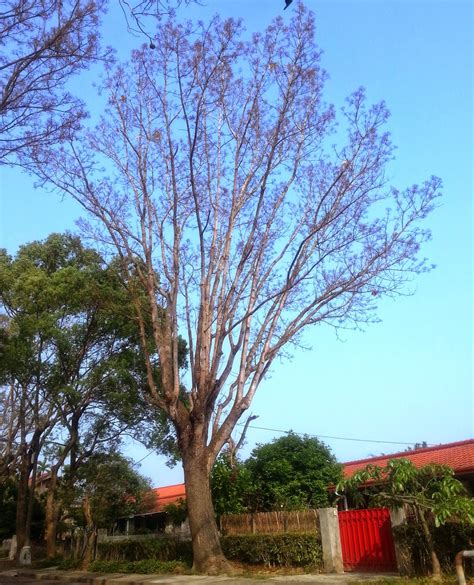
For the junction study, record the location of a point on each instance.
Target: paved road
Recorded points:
(51, 577)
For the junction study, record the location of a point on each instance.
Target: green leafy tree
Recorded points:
(232, 487)
(432, 492)
(73, 370)
(106, 487)
(292, 472)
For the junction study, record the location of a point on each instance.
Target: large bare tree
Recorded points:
(212, 175)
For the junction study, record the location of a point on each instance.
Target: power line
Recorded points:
(143, 458)
(355, 439)
(333, 437)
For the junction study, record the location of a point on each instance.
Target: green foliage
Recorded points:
(162, 549)
(8, 502)
(449, 539)
(111, 485)
(431, 488)
(292, 473)
(275, 550)
(8, 495)
(68, 329)
(177, 512)
(147, 566)
(232, 488)
(58, 562)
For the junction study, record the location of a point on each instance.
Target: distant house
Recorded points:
(161, 497)
(153, 519)
(459, 456)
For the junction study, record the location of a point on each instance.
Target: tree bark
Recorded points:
(22, 501)
(32, 489)
(207, 552)
(51, 517)
(90, 534)
(52, 505)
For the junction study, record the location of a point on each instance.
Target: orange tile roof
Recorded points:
(459, 456)
(168, 494)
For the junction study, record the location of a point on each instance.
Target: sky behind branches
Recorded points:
(409, 378)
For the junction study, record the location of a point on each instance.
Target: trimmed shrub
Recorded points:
(275, 550)
(159, 549)
(148, 566)
(59, 562)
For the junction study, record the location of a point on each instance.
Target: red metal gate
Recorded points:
(367, 541)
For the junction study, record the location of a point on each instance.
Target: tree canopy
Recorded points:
(290, 473)
(293, 472)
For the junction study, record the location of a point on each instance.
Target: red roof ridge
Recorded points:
(163, 487)
(432, 448)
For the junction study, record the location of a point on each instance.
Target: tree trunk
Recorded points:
(51, 517)
(31, 493)
(22, 501)
(207, 552)
(435, 564)
(91, 533)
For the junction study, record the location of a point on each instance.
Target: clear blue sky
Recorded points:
(409, 378)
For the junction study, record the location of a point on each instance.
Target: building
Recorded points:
(154, 519)
(459, 456)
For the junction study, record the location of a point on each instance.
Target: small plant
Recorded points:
(69, 564)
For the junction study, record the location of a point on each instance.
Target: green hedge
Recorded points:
(276, 550)
(159, 549)
(449, 539)
(59, 562)
(148, 566)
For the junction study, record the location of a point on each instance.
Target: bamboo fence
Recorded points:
(270, 522)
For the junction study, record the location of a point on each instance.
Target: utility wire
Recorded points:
(358, 440)
(143, 458)
(333, 437)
